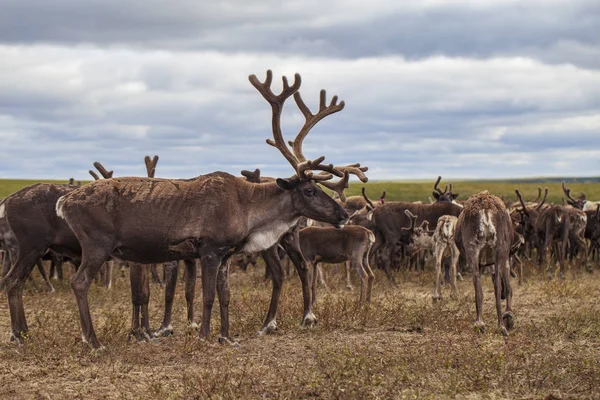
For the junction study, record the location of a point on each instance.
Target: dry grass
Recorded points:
(402, 346)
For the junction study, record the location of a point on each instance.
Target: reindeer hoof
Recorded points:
(479, 327)
(349, 288)
(309, 321)
(164, 332)
(193, 327)
(230, 341)
(270, 328)
(99, 350)
(139, 335)
(436, 298)
(509, 320)
(504, 331)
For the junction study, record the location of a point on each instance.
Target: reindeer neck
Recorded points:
(268, 205)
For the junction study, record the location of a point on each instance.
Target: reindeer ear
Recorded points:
(286, 184)
(455, 196)
(435, 195)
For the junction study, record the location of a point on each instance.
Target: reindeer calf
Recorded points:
(443, 242)
(332, 245)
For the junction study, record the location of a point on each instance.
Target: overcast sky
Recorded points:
(481, 89)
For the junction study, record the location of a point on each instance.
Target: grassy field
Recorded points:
(421, 190)
(401, 346)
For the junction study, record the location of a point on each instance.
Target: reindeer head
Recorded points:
(446, 195)
(308, 198)
(529, 215)
(579, 202)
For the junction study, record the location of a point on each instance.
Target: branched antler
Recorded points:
(304, 168)
(103, 171)
(413, 220)
(338, 186)
(539, 206)
(435, 187)
(524, 210)
(151, 165)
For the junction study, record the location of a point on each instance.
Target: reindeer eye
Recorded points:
(309, 192)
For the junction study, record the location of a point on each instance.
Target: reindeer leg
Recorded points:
(370, 274)
(15, 282)
(171, 269)
(210, 263)
(291, 245)
(321, 276)
(501, 263)
(155, 276)
(40, 266)
(108, 277)
(453, 266)
(315, 274)
(508, 316)
(223, 293)
(473, 260)
(93, 257)
(273, 264)
(190, 291)
(439, 254)
(140, 296)
(348, 280)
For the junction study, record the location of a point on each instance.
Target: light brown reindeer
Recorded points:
(215, 215)
(484, 226)
(444, 243)
(329, 245)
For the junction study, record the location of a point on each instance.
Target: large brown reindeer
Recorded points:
(485, 226)
(30, 229)
(211, 217)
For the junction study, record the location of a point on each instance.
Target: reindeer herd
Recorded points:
(144, 221)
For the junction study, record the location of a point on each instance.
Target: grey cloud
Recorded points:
(553, 31)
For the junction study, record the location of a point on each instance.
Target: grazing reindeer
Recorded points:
(330, 245)
(215, 215)
(485, 226)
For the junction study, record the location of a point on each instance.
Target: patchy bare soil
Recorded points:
(402, 346)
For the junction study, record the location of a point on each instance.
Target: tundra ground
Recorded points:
(401, 346)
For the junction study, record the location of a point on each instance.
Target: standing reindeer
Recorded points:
(444, 242)
(329, 245)
(215, 215)
(484, 226)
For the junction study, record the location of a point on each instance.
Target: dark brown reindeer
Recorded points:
(389, 218)
(484, 226)
(329, 245)
(548, 229)
(446, 195)
(592, 231)
(216, 215)
(28, 239)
